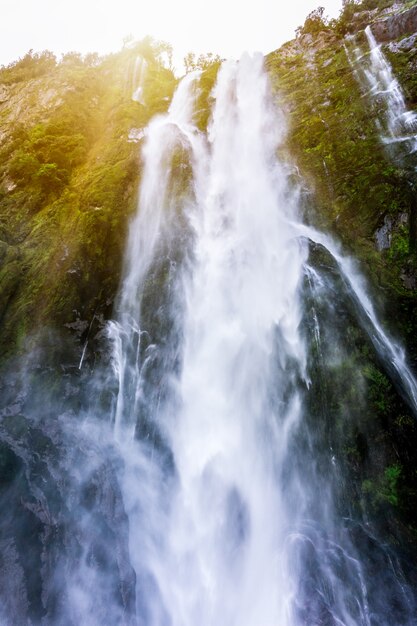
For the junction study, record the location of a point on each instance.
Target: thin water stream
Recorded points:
(398, 124)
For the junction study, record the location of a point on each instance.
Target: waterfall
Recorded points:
(166, 135)
(398, 124)
(237, 521)
(236, 399)
(139, 76)
(238, 403)
(205, 483)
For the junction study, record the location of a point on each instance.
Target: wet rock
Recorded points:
(79, 326)
(404, 45)
(395, 26)
(409, 280)
(383, 235)
(50, 98)
(135, 135)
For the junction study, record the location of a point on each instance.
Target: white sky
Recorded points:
(225, 27)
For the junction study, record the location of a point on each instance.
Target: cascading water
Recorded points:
(241, 342)
(399, 125)
(167, 136)
(224, 491)
(216, 494)
(241, 524)
(391, 353)
(139, 75)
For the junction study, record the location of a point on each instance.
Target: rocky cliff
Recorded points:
(396, 25)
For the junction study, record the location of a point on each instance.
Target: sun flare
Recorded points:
(225, 28)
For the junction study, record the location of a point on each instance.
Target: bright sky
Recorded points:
(225, 27)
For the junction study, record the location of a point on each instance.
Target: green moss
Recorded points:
(380, 388)
(386, 488)
(392, 475)
(333, 136)
(403, 63)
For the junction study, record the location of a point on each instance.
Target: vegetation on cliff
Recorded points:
(69, 174)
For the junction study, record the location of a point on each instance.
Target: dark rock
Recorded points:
(383, 235)
(395, 26)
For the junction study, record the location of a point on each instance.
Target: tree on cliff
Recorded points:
(315, 22)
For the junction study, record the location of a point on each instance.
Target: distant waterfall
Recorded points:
(398, 124)
(139, 76)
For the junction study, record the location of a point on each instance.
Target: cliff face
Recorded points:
(395, 26)
(70, 168)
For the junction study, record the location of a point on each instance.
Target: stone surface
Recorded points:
(383, 235)
(406, 44)
(4, 93)
(395, 26)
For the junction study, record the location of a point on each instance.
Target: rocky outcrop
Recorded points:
(395, 26)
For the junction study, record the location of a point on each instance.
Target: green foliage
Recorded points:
(404, 64)
(72, 58)
(334, 139)
(158, 90)
(204, 62)
(46, 155)
(386, 488)
(392, 476)
(68, 181)
(315, 23)
(382, 395)
(399, 249)
(156, 52)
(32, 65)
(69, 185)
(354, 15)
(345, 24)
(370, 5)
(204, 99)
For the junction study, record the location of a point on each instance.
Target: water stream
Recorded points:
(138, 79)
(398, 125)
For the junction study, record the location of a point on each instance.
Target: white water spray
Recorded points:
(243, 354)
(243, 314)
(155, 205)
